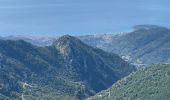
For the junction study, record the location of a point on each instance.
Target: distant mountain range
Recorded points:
(35, 40)
(149, 84)
(66, 70)
(147, 44)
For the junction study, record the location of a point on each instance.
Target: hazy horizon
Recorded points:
(77, 17)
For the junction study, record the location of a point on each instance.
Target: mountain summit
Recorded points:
(66, 39)
(69, 44)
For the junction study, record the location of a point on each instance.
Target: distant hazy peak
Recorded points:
(147, 27)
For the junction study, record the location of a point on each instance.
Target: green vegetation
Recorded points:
(152, 83)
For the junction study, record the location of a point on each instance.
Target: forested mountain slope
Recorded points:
(153, 83)
(66, 69)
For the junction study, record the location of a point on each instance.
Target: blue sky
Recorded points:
(58, 17)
